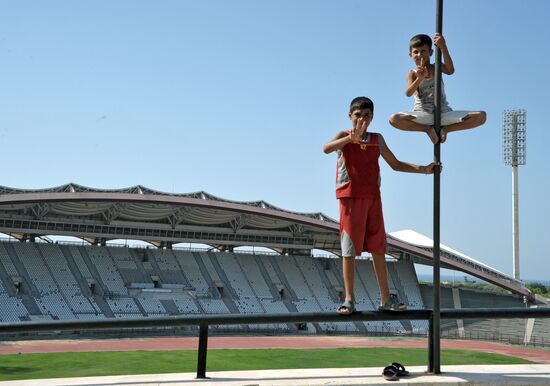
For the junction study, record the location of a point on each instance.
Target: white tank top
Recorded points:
(424, 97)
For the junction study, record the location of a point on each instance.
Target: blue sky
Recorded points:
(236, 98)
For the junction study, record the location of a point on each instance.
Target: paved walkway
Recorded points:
(452, 375)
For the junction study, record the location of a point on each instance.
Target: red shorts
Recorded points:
(361, 226)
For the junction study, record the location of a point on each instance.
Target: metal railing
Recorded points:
(204, 321)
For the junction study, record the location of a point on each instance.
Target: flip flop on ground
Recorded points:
(401, 371)
(390, 373)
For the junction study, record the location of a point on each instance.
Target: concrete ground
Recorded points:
(451, 375)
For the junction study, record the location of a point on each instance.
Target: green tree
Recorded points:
(539, 288)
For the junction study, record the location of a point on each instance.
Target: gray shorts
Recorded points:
(447, 118)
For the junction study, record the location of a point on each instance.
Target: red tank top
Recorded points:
(357, 169)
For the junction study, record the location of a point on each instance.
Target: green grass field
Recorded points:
(60, 365)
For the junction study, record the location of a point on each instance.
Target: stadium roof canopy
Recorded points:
(140, 213)
(419, 248)
(164, 219)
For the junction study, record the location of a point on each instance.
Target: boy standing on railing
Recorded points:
(358, 189)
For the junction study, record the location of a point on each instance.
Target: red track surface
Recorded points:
(248, 342)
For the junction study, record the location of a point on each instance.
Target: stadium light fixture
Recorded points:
(514, 152)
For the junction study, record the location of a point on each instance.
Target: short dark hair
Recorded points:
(420, 40)
(361, 103)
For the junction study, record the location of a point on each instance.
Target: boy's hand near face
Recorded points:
(358, 130)
(422, 71)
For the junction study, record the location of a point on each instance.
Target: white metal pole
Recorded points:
(515, 222)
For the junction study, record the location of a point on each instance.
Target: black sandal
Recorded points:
(401, 371)
(393, 304)
(390, 373)
(347, 308)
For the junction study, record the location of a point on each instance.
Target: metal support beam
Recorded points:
(212, 319)
(203, 350)
(296, 317)
(431, 344)
(178, 216)
(40, 210)
(113, 212)
(436, 334)
(194, 234)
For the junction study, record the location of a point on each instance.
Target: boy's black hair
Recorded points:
(361, 103)
(420, 40)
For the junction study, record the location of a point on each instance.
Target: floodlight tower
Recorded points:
(514, 153)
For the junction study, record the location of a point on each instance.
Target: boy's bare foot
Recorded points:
(443, 135)
(432, 134)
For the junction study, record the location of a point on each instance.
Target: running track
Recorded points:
(248, 342)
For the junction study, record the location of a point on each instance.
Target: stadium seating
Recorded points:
(63, 282)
